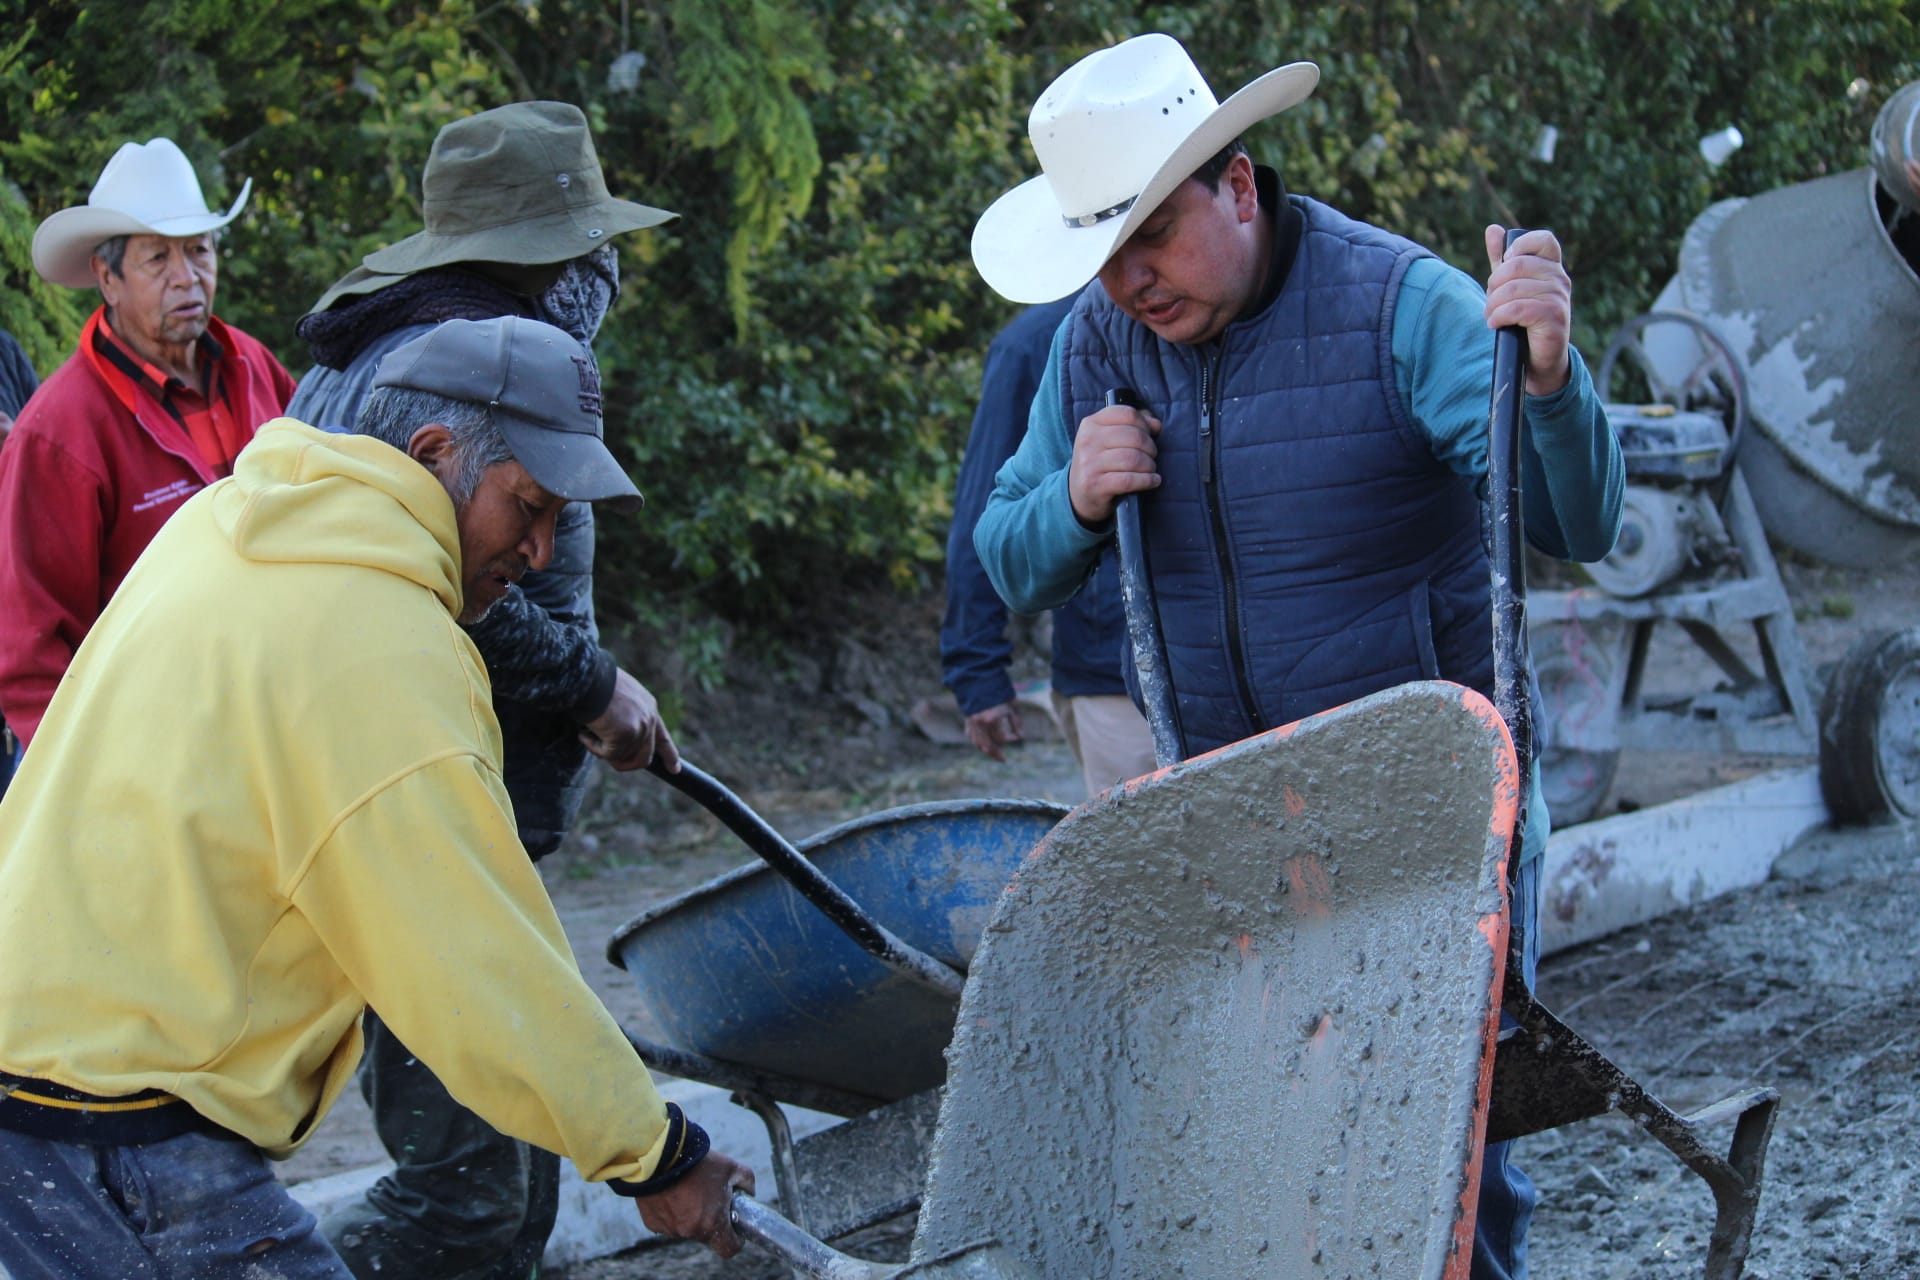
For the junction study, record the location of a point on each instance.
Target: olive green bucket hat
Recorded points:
(517, 184)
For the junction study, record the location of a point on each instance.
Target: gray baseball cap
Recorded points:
(543, 389)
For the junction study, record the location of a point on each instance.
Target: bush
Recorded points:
(793, 362)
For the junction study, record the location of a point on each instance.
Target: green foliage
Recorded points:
(44, 318)
(328, 105)
(818, 447)
(793, 362)
(1426, 116)
(742, 65)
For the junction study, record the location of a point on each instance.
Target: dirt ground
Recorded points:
(1806, 983)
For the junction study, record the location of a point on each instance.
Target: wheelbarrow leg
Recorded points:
(1549, 1076)
(1736, 1180)
(780, 1138)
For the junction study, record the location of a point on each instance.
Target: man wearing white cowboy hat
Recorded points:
(1314, 429)
(154, 405)
(519, 222)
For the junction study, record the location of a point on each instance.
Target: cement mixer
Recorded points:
(1813, 288)
(1779, 365)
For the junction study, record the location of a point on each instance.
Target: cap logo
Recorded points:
(589, 386)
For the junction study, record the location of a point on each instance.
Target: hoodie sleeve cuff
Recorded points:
(599, 692)
(686, 1146)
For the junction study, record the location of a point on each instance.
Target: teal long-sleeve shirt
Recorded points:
(1036, 551)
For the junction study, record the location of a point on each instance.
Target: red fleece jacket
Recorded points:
(85, 483)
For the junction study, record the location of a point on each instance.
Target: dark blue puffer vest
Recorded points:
(1305, 546)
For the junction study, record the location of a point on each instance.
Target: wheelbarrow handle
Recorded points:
(807, 1256)
(1508, 553)
(985, 1260)
(1509, 537)
(1143, 629)
(1143, 618)
(812, 883)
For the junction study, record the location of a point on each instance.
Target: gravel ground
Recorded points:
(1805, 983)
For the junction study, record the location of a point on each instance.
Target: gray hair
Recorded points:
(393, 414)
(113, 251)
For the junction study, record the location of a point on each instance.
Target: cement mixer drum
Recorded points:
(1807, 286)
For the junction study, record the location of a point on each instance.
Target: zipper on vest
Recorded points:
(1206, 426)
(1230, 596)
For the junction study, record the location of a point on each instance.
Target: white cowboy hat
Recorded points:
(1115, 134)
(146, 189)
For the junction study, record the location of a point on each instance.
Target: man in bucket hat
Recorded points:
(1314, 429)
(155, 404)
(191, 936)
(519, 222)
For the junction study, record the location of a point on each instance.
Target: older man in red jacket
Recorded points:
(153, 406)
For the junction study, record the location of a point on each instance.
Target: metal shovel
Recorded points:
(834, 902)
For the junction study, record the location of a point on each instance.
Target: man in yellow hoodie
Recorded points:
(266, 796)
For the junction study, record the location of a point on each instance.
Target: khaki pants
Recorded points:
(1109, 738)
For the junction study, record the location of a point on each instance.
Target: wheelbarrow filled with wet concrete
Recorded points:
(1238, 1018)
(1241, 1018)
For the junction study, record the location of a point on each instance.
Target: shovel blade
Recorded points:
(1238, 1018)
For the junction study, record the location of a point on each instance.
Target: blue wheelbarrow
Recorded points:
(828, 976)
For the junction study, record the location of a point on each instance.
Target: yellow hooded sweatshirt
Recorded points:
(268, 794)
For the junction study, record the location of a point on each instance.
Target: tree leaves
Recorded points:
(792, 365)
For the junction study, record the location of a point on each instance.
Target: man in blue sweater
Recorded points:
(1315, 436)
(1108, 734)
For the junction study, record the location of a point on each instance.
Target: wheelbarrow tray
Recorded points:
(1238, 1018)
(744, 970)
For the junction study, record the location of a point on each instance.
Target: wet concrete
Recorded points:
(1237, 1019)
(1806, 983)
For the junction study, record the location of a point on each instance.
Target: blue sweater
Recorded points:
(1089, 632)
(1036, 551)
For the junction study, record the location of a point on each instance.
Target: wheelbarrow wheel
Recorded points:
(1870, 731)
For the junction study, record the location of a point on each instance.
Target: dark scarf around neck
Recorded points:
(337, 335)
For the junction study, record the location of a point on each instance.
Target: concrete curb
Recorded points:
(1604, 876)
